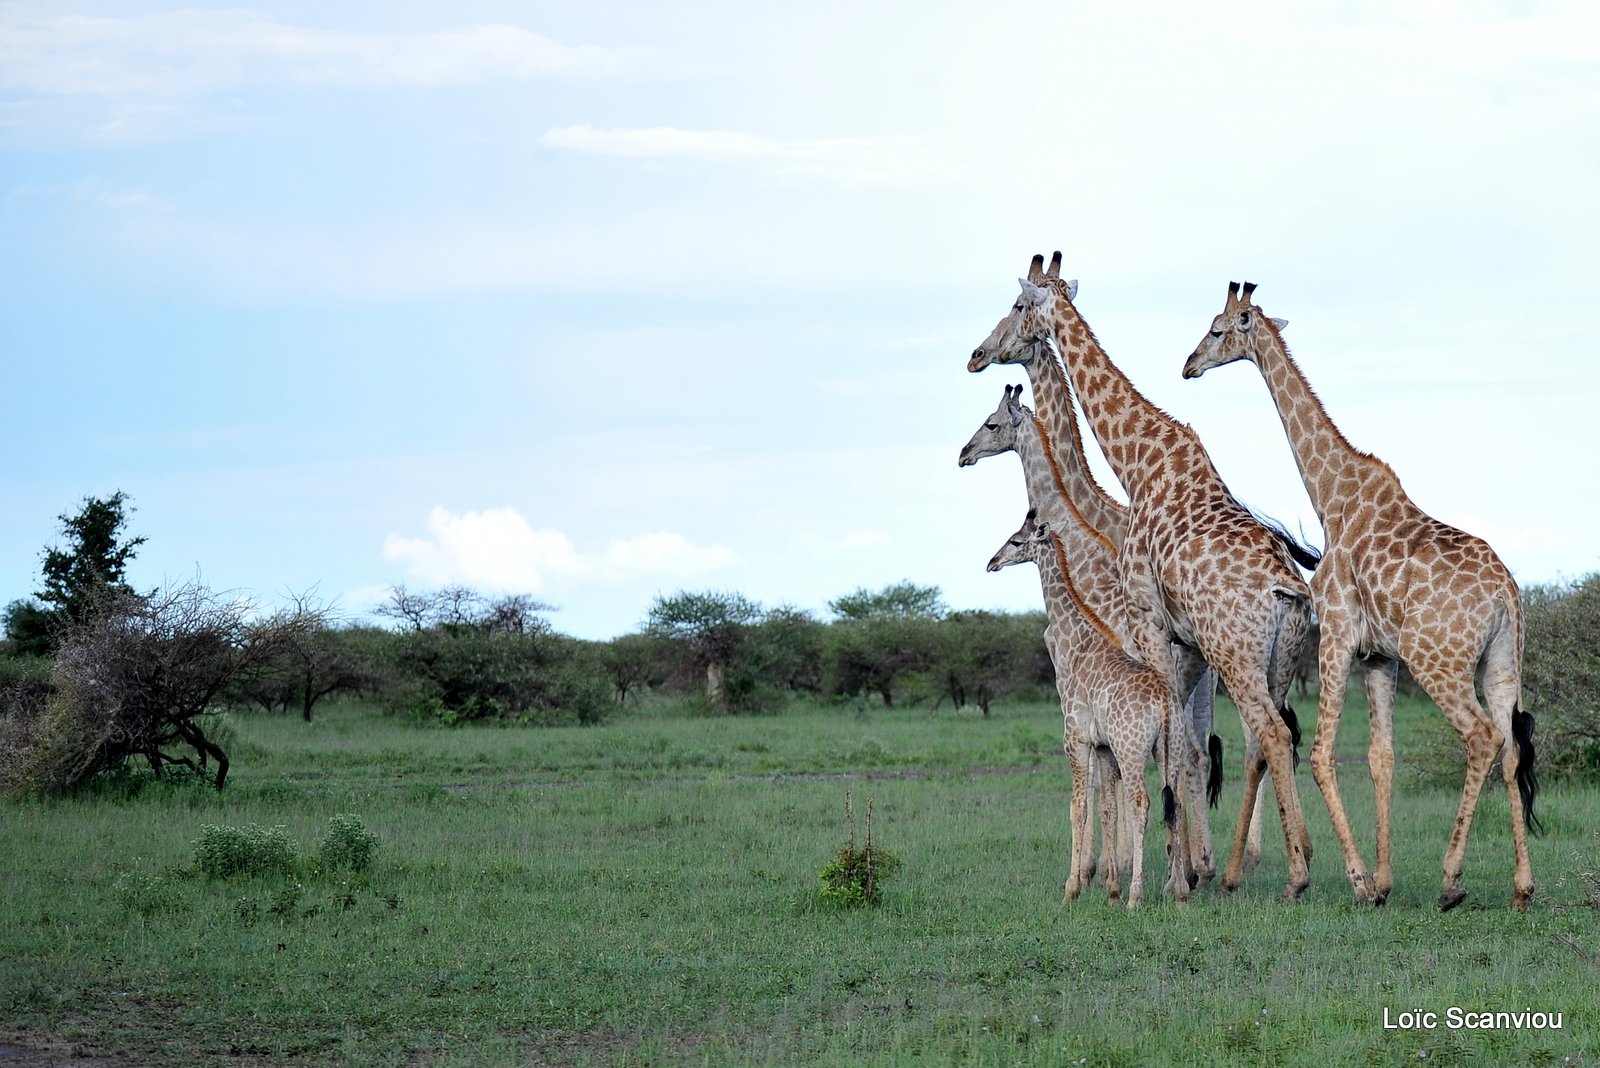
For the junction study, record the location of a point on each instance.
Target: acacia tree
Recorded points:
(93, 560)
(135, 677)
(712, 626)
(884, 636)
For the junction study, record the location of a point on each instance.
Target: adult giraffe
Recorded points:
(1199, 568)
(1395, 586)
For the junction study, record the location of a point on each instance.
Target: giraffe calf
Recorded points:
(1109, 701)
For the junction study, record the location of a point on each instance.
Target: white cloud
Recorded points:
(184, 53)
(497, 549)
(843, 160)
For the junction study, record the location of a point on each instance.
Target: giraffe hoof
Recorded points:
(1366, 893)
(1520, 900)
(1380, 900)
(1449, 899)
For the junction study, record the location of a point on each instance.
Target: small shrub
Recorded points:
(143, 894)
(221, 852)
(286, 900)
(855, 876)
(347, 844)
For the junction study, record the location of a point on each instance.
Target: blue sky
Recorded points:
(602, 301)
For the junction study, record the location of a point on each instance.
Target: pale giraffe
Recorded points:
(1199, 568)
(1395, 586)
(1092, 560)
(1109, 700)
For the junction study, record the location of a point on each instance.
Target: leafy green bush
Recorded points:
(347, 844)
(144, 894)
(465, 658)
(221, 852)
(855, 876)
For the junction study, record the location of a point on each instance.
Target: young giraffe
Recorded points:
(1199, 568)
(1395, 586)
(1098, 511)
(1092, 560)
(1108, 700)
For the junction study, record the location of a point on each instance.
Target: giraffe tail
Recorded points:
(1292, 721)
(1527, 780)
(1299, 551)
(1214, 776)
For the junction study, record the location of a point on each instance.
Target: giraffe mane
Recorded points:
(1061, 485)
(1316, 400)
(1076, 597)
(1061, 367)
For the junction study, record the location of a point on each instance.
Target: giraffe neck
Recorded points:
(1321, 452)
(1091, 554)
(1133, 433)
(1080, 626)
(1058, 427)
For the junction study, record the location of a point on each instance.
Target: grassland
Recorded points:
(644, 892)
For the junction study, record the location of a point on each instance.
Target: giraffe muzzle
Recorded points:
(979, 360)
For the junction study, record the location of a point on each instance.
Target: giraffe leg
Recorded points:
(1252, 845)
(1451, 688)
(1381, 676)
(1103, 788)
(1138, 820)
(1502, 688)
(1254, 802)
(1173, 763)
(1189, 748)
(1191, 786)
(1237, 860)
(1273, 736)
(1080, 802)
(1333, 669)
(1113, 802)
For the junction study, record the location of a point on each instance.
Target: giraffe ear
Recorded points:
(1280, 324)
(1072, 289)
(1031, 293)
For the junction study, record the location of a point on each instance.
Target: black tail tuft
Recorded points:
(1527, 781)
(1303, 554)
(1214, 777)
(1292, 721)
(1169, 808)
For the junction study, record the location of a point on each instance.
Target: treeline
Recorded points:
(94, 674)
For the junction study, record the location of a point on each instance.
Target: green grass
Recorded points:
(644, 892)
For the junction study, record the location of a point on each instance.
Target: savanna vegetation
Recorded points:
(453, 835)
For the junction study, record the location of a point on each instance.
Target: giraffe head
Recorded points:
(1026, 330)
(998, 433)
(1239, 333)
(1024, 546)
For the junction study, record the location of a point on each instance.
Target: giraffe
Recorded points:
(1108, 700)
(1092, 559)
(1052, 395)
(1200, 568)
(1395, 586)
